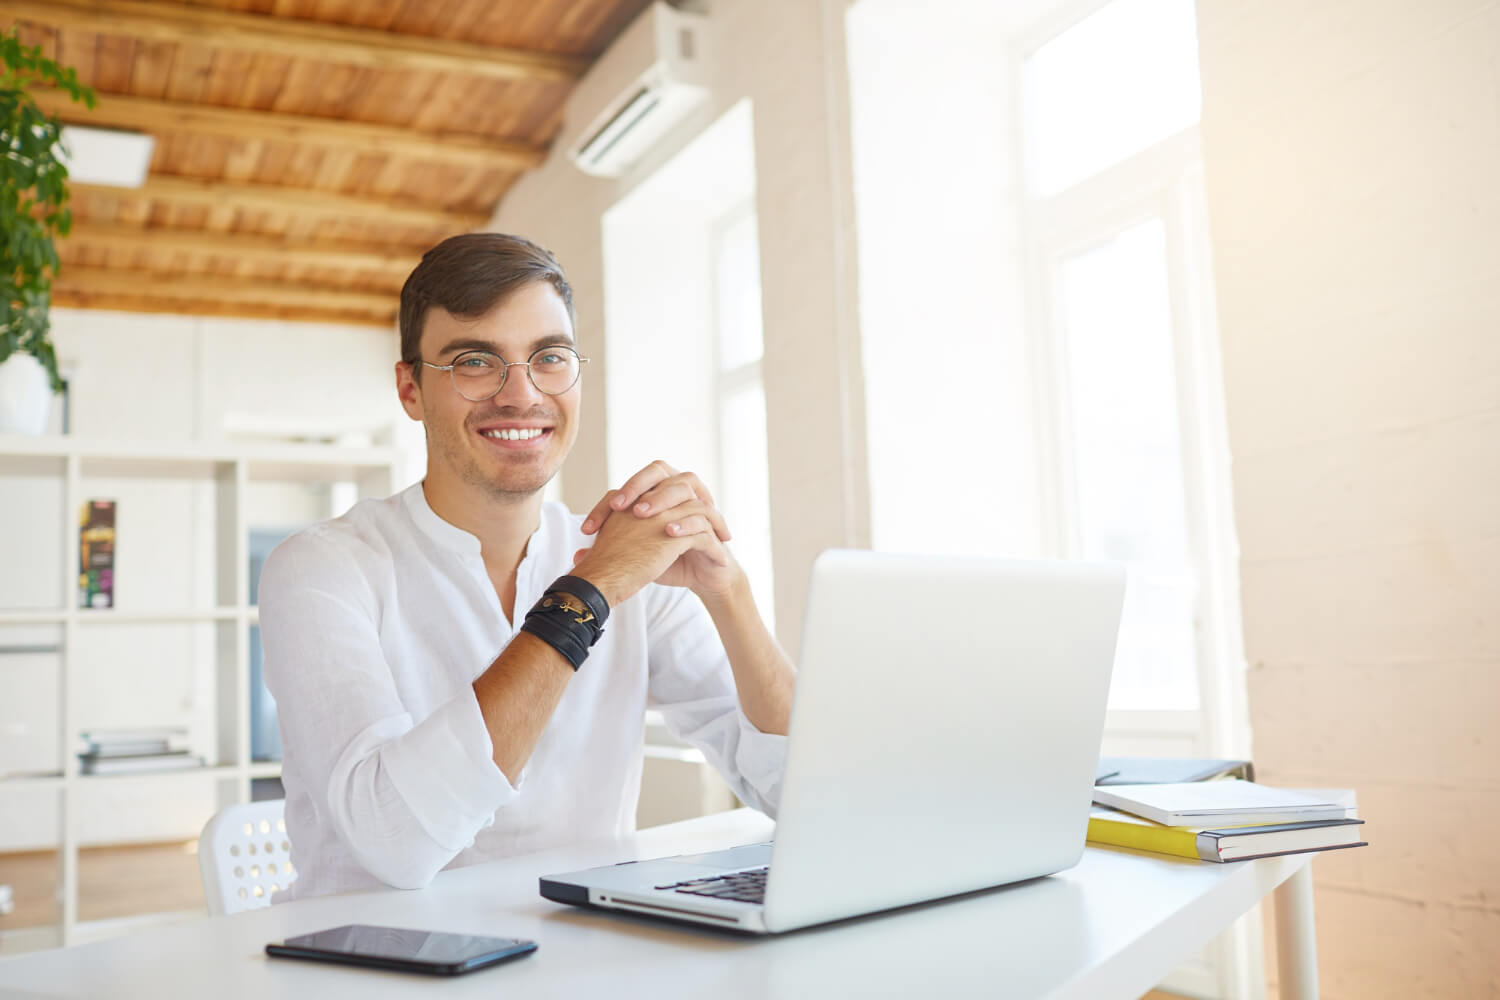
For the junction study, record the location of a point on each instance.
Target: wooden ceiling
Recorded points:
(307, 151)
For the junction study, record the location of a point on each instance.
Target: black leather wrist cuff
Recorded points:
(569, 618)
(546, 627)
(585, 592)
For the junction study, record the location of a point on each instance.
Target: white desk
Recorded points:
(1112, 927)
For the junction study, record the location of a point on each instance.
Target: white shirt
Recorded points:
(376, 624)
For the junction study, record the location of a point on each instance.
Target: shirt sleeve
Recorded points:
(404, 795)
(693, 687)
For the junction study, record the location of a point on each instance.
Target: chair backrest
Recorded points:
(245, 856)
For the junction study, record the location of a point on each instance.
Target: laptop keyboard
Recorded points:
(744, 887)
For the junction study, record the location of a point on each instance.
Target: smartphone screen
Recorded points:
(432, 952)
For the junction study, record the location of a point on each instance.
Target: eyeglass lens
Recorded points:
(478, 375)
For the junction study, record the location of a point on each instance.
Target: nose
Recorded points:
(516, 388)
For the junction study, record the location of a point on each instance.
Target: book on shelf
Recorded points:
(96, 555)
(1240, 843)
(1229, 802)
(132, 751)
(132, 742)
(179, 760)
(1169, 770)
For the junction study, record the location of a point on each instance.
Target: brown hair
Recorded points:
(468, 275)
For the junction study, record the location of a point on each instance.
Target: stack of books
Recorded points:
(134, 751)
(1224, 820)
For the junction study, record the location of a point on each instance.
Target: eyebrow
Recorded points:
(473, 344)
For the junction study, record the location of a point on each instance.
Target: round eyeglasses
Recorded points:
(479, 375)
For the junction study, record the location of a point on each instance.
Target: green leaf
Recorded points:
(33, 198)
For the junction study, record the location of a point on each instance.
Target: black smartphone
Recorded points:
(432, 952)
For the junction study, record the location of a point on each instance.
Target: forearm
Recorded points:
(763, 676)
(517, 695)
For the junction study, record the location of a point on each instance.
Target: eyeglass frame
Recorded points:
(506, 366)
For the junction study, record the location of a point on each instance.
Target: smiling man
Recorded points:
(461, 670)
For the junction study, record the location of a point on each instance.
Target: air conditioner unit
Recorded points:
(647, 82)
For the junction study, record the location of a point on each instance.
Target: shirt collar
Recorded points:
(449, 536)
(456, 539)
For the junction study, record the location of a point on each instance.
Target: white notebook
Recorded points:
(1231, 802)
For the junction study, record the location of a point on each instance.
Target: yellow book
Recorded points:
(1118, 829)
(1240, 843)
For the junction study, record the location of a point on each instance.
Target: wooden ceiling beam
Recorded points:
(74, 282)
(270, 249)
(241, 310)
(154, 116)
(319, 41)
(285, 200)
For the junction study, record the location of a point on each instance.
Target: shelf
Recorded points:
(40, 617)
(188, 512)
(316, 463)
(19, 781)
(114, 616)
(260, 769)
(181, 773)
(192, 459)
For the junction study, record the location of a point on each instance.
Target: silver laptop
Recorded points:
(944, 738)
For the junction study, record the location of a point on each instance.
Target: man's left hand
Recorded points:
(654, 492)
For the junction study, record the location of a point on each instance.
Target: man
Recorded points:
(428, 718)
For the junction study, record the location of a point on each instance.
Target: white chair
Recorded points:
(245, 857)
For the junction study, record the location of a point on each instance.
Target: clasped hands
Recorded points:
(661, 526)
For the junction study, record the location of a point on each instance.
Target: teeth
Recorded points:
(515, 434)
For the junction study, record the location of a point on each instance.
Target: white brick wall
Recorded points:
(1353, 170)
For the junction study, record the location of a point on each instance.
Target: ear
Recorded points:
(409, 392)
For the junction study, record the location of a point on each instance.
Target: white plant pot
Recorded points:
(25, 395)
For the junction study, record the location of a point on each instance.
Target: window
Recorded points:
(1036, 319)
(744, 472)
(1115, 83)
(682, 302)
(1041, 375)
(1127, 489)
(1131, 398)
(1114, 225)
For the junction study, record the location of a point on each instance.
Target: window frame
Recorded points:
(1164, 180)
(729, 381)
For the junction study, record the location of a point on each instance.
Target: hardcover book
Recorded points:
(1241, 843)
(96, 555)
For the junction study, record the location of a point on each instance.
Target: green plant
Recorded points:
(33, 199)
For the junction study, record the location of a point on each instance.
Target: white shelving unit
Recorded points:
(224, 477)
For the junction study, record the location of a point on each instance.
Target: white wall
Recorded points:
(164, 378)
(787, 58)
(168, 377)
(1351, 154)
(948, 371)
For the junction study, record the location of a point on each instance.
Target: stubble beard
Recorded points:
(508, 486)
